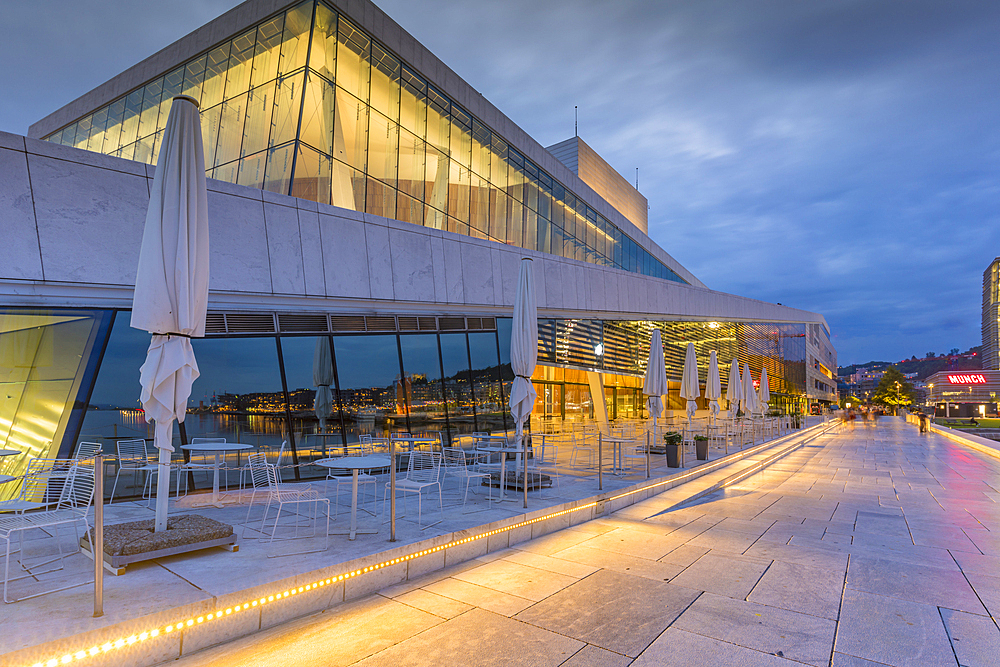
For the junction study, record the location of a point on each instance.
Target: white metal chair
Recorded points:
(633, 451)
(71, 507)
(582, 444)
(133, 457)
(456, 464)
(423, 471)
(87, 450)
(543, 459)
(265, 482)
(245, 469)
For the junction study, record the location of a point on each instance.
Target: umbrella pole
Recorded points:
(162, 439)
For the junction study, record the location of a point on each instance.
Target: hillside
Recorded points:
(924, 368)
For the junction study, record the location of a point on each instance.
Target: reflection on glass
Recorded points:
(457, 380)
(368, 372)
(490, 399)
(437, 165)
(42, 357)
(421, 386)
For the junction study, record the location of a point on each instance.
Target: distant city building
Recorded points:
(964, 393)
(991, 316)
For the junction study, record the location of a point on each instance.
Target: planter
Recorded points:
(701, 448)
(673, 455)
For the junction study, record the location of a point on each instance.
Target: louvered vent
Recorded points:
(490, 323)
(215, 323)
(408, 323)
(302, 322)
(250, 323)
(347, 323)
(451, 323)
(381, 323)
(428, 323)
(474, 322)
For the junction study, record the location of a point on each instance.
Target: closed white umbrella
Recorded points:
(322, 379)
(749, 393)
(523, 357)
(713, 385)
(734, 390)
(764, 393)
(689, 382)
(171, 283)
(654, 386)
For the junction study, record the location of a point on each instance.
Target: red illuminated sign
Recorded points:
(967, 378)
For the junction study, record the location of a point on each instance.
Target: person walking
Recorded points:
(923, 423)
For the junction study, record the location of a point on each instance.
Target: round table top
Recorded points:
(9, 452)
(356, 462)
(216, 447)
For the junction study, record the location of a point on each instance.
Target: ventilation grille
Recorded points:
(347, 323)
(407, 323)
(381, 323)
(302, 322)
(221, 324)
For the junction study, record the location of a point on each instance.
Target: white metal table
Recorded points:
(355, 464)
(8, 452)
(218, 448)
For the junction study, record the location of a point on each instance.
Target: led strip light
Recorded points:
(124, 642)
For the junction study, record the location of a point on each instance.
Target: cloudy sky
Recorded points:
(841, 157)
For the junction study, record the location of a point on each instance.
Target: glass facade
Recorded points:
(73, 375)
(307, 104)
(47, 361)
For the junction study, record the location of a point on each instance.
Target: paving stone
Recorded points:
(723, 574)
(892, 631)
(593, 656)
(935, 586)
(433, 603)
(479, 596)
(802, 588)
(452, 642)
(975, 639)
(678, 648)
(798, 636)
(618, 612)
(609, 560)
(635, 543)
(521, 580)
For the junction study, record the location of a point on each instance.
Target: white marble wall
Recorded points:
(72, 223)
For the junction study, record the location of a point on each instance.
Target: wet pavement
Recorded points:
(873, 545)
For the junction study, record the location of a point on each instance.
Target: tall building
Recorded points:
(365, 199)
(991, 316)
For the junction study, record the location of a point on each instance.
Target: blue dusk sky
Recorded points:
(840, 157)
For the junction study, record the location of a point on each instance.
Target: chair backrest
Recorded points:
(78, 491)
(87, 450)
(424, 467)
(44, 479)
(195, 441)
(259, 471)
(365, 439)
(454, 458)
(132, 453)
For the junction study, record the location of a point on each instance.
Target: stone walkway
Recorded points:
(871, 546)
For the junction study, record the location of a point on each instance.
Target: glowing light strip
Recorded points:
(276, 597)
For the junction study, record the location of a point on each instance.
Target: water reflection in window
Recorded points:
(312, 393)
(370, 392)
(421, 385)
(490, 399)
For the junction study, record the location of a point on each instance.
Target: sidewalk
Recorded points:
(869, 546)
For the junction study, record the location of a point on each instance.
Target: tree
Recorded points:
(893, 389)
(953, 351)
(930, 355)
(850, 401)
